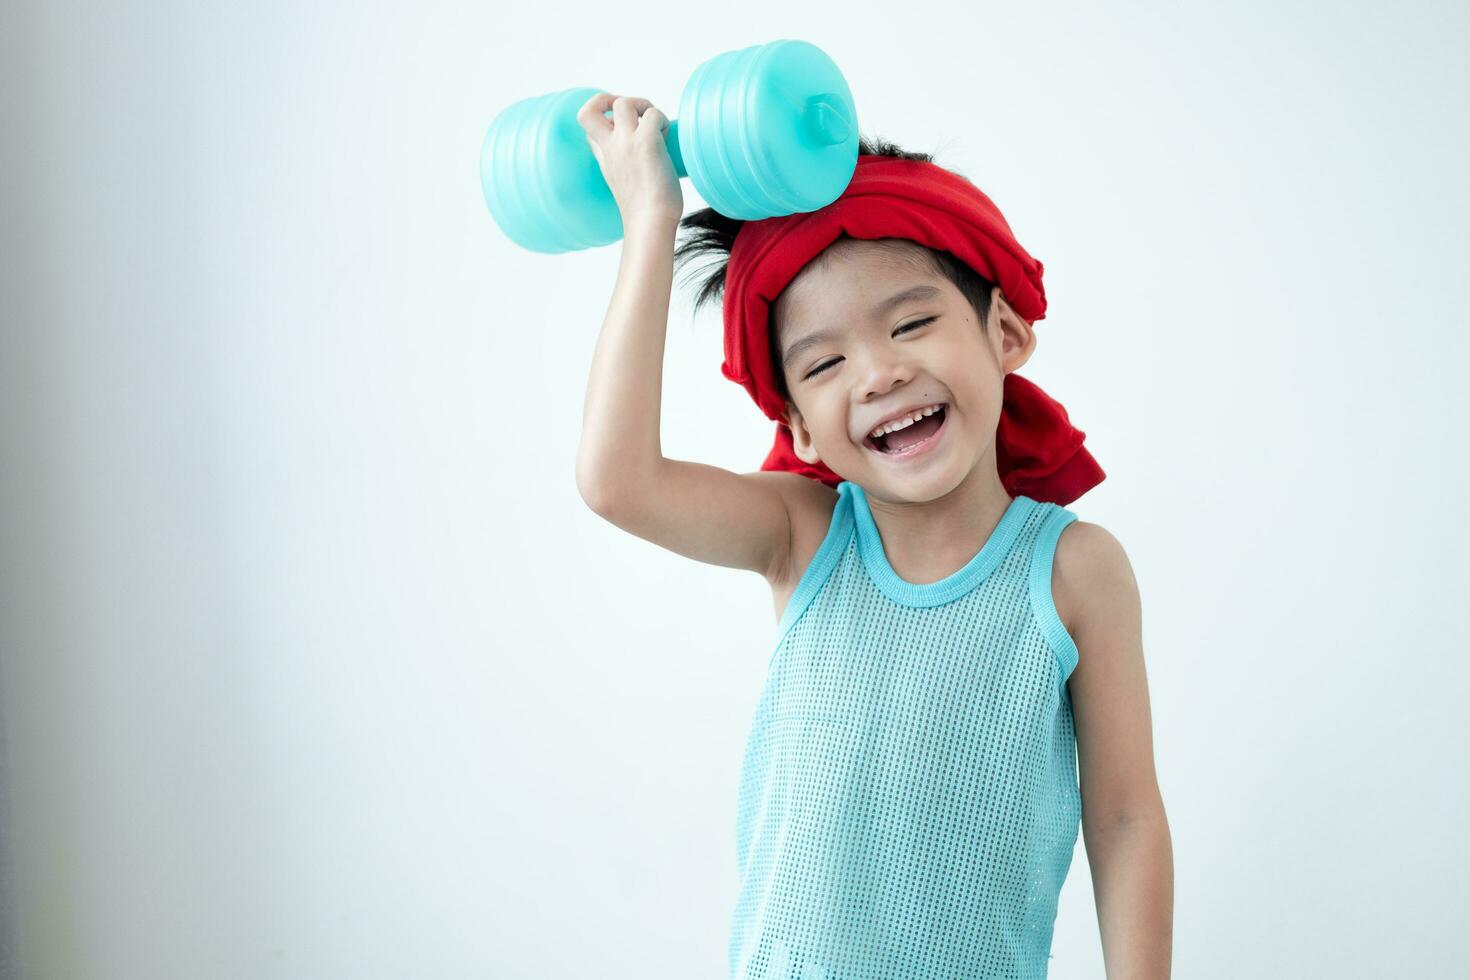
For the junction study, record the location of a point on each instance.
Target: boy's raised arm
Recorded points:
(621, 450)
(703, 512)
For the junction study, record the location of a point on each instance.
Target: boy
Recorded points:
(955, 647)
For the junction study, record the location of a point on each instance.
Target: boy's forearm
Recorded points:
(621, 415)
(1133, 884)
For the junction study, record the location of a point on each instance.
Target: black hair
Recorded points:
(710, 233)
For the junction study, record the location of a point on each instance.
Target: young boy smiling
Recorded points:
(959, 681)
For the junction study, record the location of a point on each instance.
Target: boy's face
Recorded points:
(875, 362)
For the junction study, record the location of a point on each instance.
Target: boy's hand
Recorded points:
(630, 149)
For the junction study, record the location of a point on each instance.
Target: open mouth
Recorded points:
(911, 440)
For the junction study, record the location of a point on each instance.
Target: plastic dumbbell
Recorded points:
(763, 131)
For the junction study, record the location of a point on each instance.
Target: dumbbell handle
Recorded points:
(821, 113)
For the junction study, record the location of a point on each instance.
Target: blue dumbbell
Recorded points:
(763, 131)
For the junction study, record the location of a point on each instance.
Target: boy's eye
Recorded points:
(907, 326)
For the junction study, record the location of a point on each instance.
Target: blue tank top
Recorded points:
(908, 802)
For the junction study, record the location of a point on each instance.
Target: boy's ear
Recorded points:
(801, 437)
(1011, 337)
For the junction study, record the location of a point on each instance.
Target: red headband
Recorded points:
(1038, 451)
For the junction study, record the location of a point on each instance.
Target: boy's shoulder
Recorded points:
(1090, 573)
(810, 503)
(805, 497)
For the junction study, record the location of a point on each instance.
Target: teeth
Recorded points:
(904, 423)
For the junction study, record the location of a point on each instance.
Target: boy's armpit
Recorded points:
(810, 504)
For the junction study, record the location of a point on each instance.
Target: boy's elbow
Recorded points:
(598, 493)
(595, 498)
(587, 485)
(605, 490)
(591, 491)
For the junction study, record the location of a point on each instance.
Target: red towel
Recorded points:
(1038, 451)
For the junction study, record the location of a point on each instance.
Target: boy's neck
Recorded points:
(931, 540)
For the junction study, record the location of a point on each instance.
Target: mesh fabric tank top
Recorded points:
(908, 803)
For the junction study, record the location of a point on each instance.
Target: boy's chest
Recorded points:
(782, 591)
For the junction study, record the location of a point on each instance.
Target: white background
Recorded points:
(315, 664)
